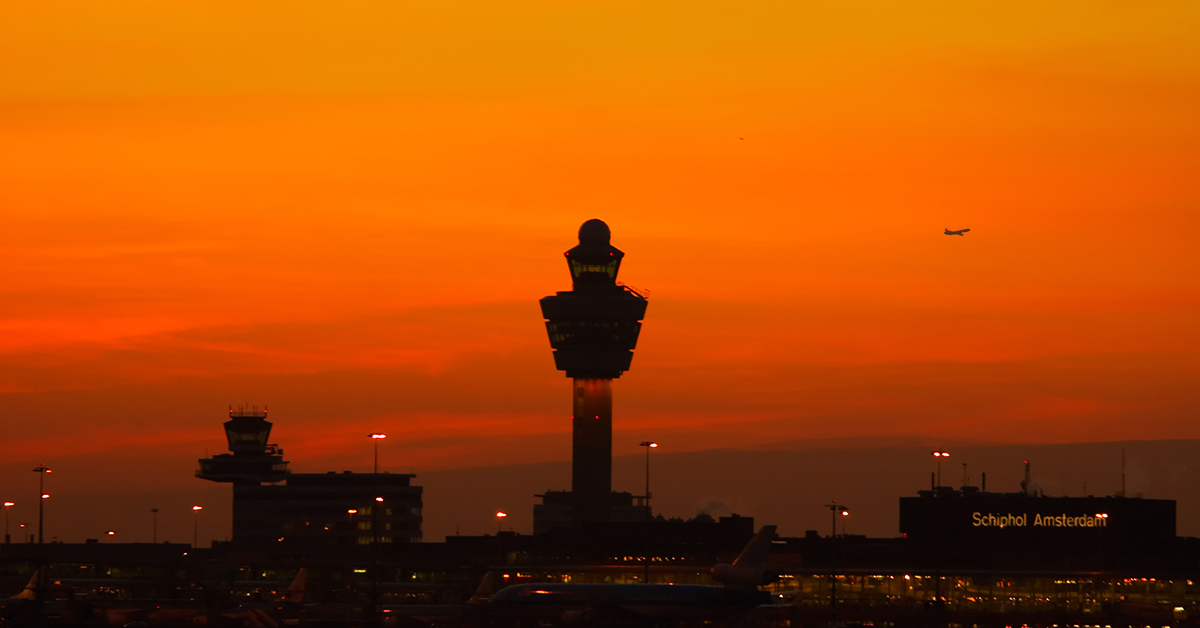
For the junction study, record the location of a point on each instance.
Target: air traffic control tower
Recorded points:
(593, 329)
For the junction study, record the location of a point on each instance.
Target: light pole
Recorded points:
(375, 519)
(648, 445)
(350, 525)
(154, 537)
(377, 437)
(834, 509)
(112, 533)
(939, 454)
(196, 525)
(7, 538)
(41, 470)
(500, 515)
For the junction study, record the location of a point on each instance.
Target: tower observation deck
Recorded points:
(253, 460)
(593, 330)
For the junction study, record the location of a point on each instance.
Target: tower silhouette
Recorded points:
(593, 330)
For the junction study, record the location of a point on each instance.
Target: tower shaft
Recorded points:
(591, 449)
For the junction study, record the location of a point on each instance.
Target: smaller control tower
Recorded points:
(272, 505)
(593, 330)
(253, 461)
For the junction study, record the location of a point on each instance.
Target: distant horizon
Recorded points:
(783, 486)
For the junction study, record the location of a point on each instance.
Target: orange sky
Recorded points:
(348, 213)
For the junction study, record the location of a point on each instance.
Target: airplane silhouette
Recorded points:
(957, 233)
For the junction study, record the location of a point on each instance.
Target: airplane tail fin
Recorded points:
(295, 590)
(486, 587)
(755, 552)
(749, 570)
(30, 590)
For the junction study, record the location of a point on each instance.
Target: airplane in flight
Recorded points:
(957, 233)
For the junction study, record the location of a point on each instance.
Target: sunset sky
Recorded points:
(348, 211)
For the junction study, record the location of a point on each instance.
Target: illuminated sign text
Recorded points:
(1009, 520)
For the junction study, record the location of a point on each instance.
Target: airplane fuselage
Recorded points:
(651, 601)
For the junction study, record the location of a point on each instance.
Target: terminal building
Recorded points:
(272, 505)
(973, 526)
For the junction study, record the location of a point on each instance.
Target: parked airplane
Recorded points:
(581, 604)
(957, 233)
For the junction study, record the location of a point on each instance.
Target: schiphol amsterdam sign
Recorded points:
(1009, 520)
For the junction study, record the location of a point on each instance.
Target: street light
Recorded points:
(377, 437)
(7, 505)
(835, 509)
(500, 515)
(939, 454)
(41, 470)
(196, 525)
(112, 533)
(648, 445)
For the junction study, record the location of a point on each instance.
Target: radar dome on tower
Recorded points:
(594, 230)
